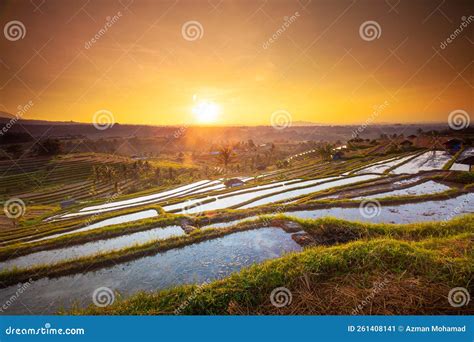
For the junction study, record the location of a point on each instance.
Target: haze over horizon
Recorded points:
(150, 68)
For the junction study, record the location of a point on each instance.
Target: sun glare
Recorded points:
(206, 112)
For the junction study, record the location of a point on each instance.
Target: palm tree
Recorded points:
(226, 155)
(324, 151)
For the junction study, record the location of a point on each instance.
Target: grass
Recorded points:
(62, 226)
(318, 276)
(101, 260)
(223, 215)
(324, 230)
(450, 163)
(300, 188)
(419, 262)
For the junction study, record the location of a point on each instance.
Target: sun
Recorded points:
(206, 112)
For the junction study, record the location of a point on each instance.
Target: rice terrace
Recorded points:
(138, 235)
(328, 174)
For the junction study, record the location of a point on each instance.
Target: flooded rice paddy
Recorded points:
(193, 264)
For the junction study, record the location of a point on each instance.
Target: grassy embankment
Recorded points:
(225, 215)
(324, 231)
(412, 266)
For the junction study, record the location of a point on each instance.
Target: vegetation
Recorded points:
(327, 280)
(325, 231)
(225, 155)
(341, 261)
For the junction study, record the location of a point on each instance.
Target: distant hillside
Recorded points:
(5, 117)
(299, 131)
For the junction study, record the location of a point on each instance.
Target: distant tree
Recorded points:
(49, 147)
(225, 156)
(324, 151)
(170, 173)
(15, 151)
(251, 144)
(15, 137)
(157, 173)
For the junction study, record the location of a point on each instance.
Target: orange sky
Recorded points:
(318, 68)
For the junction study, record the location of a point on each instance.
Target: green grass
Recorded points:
(450, 163)
(224, 215)
(250, 289)
(324, 230)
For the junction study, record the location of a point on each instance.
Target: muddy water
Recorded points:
(196, 263)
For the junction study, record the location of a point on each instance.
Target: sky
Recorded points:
(240, 62)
